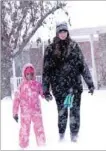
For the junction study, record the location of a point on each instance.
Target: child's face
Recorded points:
(29, 76)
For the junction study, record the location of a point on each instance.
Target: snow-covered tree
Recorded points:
(19, 22)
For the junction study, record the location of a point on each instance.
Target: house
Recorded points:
(93, 44)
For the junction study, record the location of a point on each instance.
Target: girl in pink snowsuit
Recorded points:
(27, 97)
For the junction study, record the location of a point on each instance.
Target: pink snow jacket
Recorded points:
(27, 96)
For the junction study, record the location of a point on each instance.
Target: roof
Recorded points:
(88, 31)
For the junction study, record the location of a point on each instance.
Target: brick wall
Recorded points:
(101, 61)
(36, 58)
(86, 49)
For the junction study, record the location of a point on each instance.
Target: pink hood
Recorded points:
(24, 68)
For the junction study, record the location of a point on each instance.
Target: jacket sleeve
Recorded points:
(83, 68)
(16, 102)
(46, 70)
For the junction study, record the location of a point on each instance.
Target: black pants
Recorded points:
(74, 115)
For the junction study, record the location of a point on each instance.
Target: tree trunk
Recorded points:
(6, 67)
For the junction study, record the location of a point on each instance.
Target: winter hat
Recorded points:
(61, 26)
(29, 70)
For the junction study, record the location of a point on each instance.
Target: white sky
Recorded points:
(82, 14)
(87, 13)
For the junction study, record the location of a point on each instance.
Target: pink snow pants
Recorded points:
(25, 129)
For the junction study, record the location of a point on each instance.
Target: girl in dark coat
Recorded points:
(63, 67)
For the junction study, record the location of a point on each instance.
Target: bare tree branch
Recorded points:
(19, 29)
(35, 29)
(41, 5)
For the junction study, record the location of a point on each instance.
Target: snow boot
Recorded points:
(61, 136)
(74, 138)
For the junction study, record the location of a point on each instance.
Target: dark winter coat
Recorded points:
(63, 67)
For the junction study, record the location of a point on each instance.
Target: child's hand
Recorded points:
(16, 118)
(43, 97)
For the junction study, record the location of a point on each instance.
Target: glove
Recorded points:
(91, 90)
(47, 94)
(48, 97)
(16, 118)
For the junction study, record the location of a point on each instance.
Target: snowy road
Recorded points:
(92, 132)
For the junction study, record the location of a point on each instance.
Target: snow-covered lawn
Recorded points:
(92, 132)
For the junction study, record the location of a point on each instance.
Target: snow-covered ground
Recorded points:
(92, 132)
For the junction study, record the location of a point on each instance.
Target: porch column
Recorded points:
(43, 47)
(93, 61)
(14, 76)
